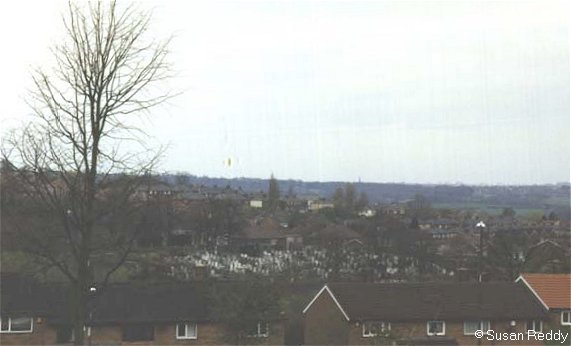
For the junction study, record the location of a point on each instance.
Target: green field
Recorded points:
(483, 207)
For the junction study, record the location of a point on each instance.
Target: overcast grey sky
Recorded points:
(426, 91)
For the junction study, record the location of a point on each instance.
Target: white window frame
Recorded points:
(436, 334)
(480, 326)
(186, 328)
(385, 327)
(260, 335)
(31, 330)
(533, 323)
(568, 323)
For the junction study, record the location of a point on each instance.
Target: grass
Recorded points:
(484, 207)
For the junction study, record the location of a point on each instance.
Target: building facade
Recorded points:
(125, 314)
(554, 292)
(422, 314)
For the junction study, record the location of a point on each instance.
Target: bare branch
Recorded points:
(68, 161)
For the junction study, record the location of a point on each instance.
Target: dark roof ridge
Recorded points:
(421, 283)
(443, 299)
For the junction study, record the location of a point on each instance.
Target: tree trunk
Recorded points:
(79, 312)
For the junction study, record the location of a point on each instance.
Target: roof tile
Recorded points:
(554, 289)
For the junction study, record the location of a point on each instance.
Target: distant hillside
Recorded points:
(543, 197)
(377, 192)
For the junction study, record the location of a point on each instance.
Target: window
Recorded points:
(535, 325)
(186, 331)
(5, 322)
(470, 327)
(375, 328)
(21, 324)
(566, 318)
(138, 332)
(261, 330)
(16, 325)
(435, 328)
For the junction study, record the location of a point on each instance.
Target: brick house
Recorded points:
(267, 233)
(123, 314)
(554, 293)
(547, 256)
(419, 313)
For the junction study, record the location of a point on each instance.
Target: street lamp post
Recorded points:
(481, 226)
(91, 308)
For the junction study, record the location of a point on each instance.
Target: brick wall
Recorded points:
(41, 334)
(105, 335)
(324, 323)
(554, 319)
(454, 329)
(165, 334)
(214, 334)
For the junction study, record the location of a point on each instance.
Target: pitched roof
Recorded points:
(265, 228)
(156, 303)
(117, 303)
(337, 232)
(436, 300)
(554, 290)
(547, 247)
(20, 294)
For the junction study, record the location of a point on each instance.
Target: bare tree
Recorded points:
(246, 309)
(77, 181)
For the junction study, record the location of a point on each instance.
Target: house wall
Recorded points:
(208, 334)
(41, 334)
(454, 329)
(554, 320)
(256, 203)
(324, 323)
(315, 206)
(276, 336)
(213, 334)
(107, 335)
